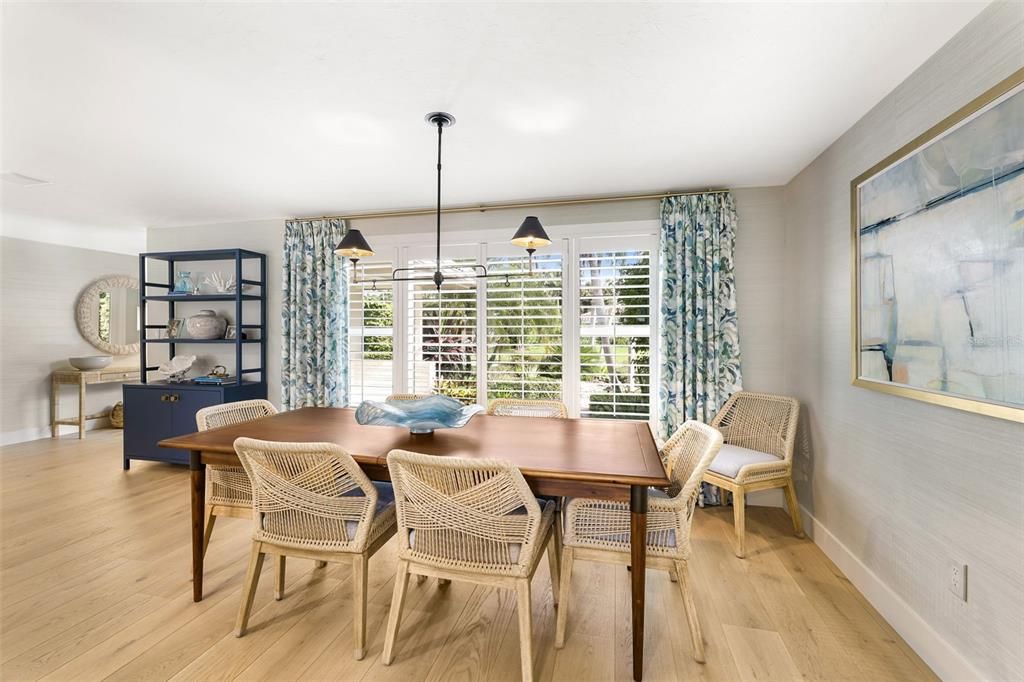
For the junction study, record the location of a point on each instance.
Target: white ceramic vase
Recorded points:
(206, 324)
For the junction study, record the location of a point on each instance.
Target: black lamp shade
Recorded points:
(353, 246)
(531, 234)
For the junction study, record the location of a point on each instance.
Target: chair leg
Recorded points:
(443, 582)
(686, 589)
(794, 509)
(279, 578)
(252, 579)
(739, 519)
(557, 532)
(525, 628)
(420, 579)
(553, 567)
(723, 496)
(359, 604)
(672, 575)
(395, 616)
(321, 564)
(210, 518)
(564, 581)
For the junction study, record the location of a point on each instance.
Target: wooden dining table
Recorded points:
(606, 459)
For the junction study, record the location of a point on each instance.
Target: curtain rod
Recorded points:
(482, 208)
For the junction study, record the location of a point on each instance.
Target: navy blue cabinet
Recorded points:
(155, 410)
(158, 410)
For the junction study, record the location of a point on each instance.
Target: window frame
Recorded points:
(387, 256)
(569, 241)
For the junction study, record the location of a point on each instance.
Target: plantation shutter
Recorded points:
(524, 329)
(442, 336)
(371, 339)
(615, 333)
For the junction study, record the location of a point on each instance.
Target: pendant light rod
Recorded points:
(438, 278)
(530, 236)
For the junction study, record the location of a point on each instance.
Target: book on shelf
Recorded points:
(216, 381)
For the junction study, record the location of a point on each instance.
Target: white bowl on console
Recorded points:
(91, 362)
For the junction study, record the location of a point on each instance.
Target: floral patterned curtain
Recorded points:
(314, 316)
(700, 350)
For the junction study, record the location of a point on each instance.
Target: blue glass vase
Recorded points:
(183, 283)
(420, 416)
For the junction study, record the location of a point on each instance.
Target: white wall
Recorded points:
(899, 488)
(34, 228)
(39, 286)
(759, 259)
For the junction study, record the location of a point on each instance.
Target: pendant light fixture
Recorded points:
(530, 236)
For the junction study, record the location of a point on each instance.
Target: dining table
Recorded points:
(597, 458)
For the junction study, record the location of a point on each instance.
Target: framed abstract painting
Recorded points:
(938, 262)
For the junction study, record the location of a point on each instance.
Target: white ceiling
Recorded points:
(173, 114)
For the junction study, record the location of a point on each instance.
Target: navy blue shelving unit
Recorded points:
(155, 410)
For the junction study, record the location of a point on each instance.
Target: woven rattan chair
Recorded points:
(760, 432)
(230, 493)
(311, 500)
(398, 397)
(598, 530)
(471, 520)
(554, 409)
(513, 407)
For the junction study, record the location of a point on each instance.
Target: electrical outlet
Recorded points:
(958, 580)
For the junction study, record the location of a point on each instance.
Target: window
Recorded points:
(579, 330)
(442, 355)
(371, 348)
(524, 329)
(615, 334)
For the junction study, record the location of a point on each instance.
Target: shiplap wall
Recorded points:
(907, 487)
(39, 286)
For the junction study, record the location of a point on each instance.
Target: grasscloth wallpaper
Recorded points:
(907, 487)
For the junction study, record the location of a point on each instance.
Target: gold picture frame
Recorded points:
(1007, 89)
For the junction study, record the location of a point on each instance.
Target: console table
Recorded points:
(82, 378)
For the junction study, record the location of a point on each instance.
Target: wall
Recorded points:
(759, 255)
(39, 286)
(898, 488)
(51, 231)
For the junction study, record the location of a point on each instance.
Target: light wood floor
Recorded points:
(94, 572)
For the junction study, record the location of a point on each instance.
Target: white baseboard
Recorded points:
(946, 662)
(38, 432)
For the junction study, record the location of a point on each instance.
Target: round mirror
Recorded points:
(108, 314)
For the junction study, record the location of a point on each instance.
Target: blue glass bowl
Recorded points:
(421, 415)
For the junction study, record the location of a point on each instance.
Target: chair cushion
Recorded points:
(385, 498)
(731, 458)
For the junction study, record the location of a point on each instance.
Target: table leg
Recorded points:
(197, 472)
(638, 560)
(54, 407)
(81, 407)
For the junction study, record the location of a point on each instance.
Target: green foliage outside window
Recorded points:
(378, 312)
(620, 365)
(104, 313)
(524, 331)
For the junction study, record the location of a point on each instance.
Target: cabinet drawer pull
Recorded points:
(170, 397)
